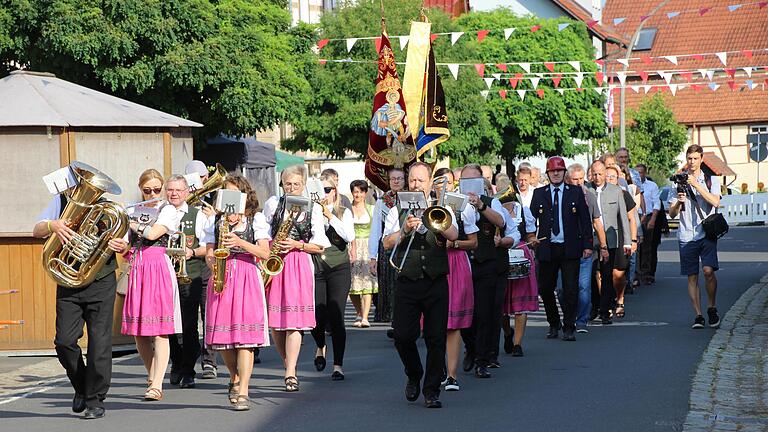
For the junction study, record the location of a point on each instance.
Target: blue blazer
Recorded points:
(577, 224)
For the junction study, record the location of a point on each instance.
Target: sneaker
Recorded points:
(517, 351)
(714, 318)
(209, 372)
(580, 329)
(451, 384)
(698, 322)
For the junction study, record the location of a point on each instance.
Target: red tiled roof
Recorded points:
(718, 167)
(577, 12)
(717, 30)
(453, 7)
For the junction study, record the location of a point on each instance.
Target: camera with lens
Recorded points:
(681, 181)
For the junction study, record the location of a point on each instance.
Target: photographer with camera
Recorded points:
(698, 196)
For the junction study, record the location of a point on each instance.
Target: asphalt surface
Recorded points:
(632, 376)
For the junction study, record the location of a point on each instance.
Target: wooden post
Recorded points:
(167, 168)
(63, 148)
(72, 145)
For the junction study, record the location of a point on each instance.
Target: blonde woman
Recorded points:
(152, 310)
(333, 278)
(291, 297)
(363, 283)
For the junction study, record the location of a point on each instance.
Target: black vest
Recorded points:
(247, 235)
(141, 242)
(426, 257)
(110, 266)
(188, 225)
(337, 254)
(486, 247)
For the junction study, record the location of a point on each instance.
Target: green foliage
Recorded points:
(654, 137)
(235, 65)
(337, 118)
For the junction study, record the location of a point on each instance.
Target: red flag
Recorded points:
(503, 94)
(696, 87)
(747, 53)
(432, 37)
(323, 61)
(646, 59)
(550, 66)
(704, 10)
(480, 68)
(378, 44)
(730, 72)
(732, 84)
(698, 56)
(540, 92)
(535, 28)
(591, 23)
(390, 143)
(321, 43)
(514, 81)
(600, 63)
(556, 79)
(502, 66)
(643, 75)
(644, 17)
(481, 34)
(687, 75)
(599, 77)
(762, 4)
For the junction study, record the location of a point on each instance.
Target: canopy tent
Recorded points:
(286, 159)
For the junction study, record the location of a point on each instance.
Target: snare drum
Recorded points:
(519, 266)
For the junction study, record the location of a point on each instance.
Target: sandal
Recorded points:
(153, 394)
(619, 310)
(232, 392)
(358, 324)
(291, 384)
(242, 403)
(365, 324)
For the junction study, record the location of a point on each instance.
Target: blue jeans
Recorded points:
(585, 292)
(632, 267)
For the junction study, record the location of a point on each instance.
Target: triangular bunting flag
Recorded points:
(514, 81)
(625, 62)
(695, 87)
(643, 75)
(508, 32)
(403, 42)
(762, 4)
(535, 28)
(747, 53)
(687, 75)
(550, 66)
(575, 65)
(732, 8)
(561, 27)
(503, 94)
(454, 68)
(496, 75)
(433, 36)
(672, 59)
(598, 90)
(556, 79)
(635, 88)
(714, 86)
(748, 71)
(579, 77)
(600, 63)
(732, 84)
(350, 43)
(480, 68)
(489, 81)
(673, 89)
(535, 82)
(704, 10)
(646, 88)
(750, 84)
(481, 34)
(323, 61)
(484, 93)
(666, 75)
(622, 77)
(671, 15)
(617, 21)
(723, 56)
(599, 77)
(561, 91)
(710, 74)
(730, 72)
(698, 56)
(521, 93)
(502, 66)
(646, 59)
(377, 42)
(703, 73)
(591, 23)
(525, 66)
(644, 17)
(455, 36)
(540, 92)
(682, 86)
(321, 43)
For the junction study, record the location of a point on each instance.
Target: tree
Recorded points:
(336, 120)
(654, 137)
(235, 65)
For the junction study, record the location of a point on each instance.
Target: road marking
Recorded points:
(32, 390)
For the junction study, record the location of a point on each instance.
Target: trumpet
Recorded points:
(177, 250)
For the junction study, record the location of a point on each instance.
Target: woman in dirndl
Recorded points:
(461, 300)
(152, 310)
(364, 285)
(236, 317)
(291, 293)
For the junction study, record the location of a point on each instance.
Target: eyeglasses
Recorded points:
(397, 179)
(148, 191)
(329, 189)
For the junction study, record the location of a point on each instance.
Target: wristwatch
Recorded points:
(634, 240)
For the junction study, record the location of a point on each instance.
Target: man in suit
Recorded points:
(565, 223)
(618, 238)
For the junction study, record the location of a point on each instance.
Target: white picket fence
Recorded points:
(745, 208)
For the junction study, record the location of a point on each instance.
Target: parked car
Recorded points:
(664, 195)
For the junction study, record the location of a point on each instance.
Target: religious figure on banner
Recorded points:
(391, 122)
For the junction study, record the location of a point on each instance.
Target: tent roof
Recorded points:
(41, 99)
(252, 154)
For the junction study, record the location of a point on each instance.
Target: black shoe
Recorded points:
(698, 323)
(482, 372)
(451, 384)
(187, 382)
(337, 376)
(509, 342)
(256, 358)
(412, 389)
(94, 413)
(553, 331)
(517, 351)
(593, 314)
(568, 335)
(469, 362)
(78, 403)
(494, 364)
(175, 378)
(714, 318)
(606, 321)
(432, 402)
(391, 334)
(319, 363)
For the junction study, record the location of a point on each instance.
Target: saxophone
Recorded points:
(220, 254)
(273, 265)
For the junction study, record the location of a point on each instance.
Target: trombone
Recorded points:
(435, 218)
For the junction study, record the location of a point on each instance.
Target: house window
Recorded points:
(645, 39)
(759, 129)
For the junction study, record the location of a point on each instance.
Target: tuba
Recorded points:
(176, 249)
(215, 181)
(75, 264)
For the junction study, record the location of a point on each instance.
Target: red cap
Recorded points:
(555, 163)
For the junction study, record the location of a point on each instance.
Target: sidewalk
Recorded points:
(730, 388)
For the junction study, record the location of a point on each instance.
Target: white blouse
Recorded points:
(318, 221)
(260, 227)
(345, 227)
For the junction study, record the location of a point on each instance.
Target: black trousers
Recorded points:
(547, 273)
(387, 280)
(185, 347)
(648, 253)
(331, 291)
(427, 297)
(607, 289)
(488, 287)
(93, 306)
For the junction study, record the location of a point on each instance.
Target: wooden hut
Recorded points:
(45, 123)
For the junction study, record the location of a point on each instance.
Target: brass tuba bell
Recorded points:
(508, 195)
(215, 182)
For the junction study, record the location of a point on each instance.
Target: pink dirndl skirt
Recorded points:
(522, 295)
(151, 305)
(461, 300)
(236, 317)
(291, 294)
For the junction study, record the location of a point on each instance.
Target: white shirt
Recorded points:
(650, 196)
(379, 214)
(318, 221)
(559, 238)
(52, 210)
(167, 217)
(510, 230)
(469, 218)
(392, 223)
(690, 222)
(527, 197)
(260, 227)
(345, 227)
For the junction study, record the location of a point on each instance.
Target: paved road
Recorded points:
(634, 376)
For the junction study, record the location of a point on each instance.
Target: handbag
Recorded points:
(715, 225)
(122, 280)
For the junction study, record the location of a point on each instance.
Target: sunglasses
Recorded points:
(329, 189)
(148, 191)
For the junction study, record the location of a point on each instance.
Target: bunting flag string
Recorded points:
(700, 11)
